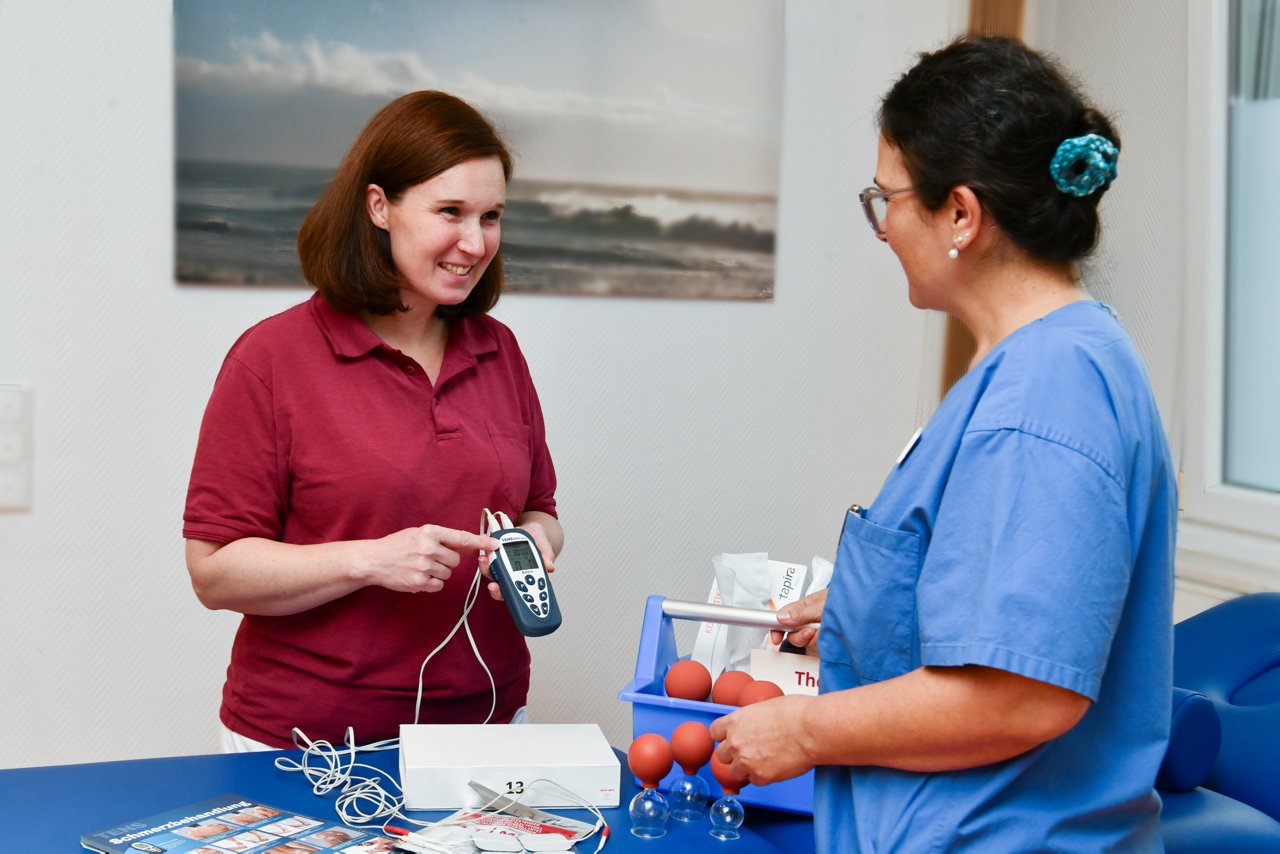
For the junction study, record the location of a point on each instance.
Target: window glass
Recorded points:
(1251, 452)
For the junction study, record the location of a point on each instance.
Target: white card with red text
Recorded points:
(792, 672)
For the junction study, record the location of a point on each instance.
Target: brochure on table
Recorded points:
(233, 823)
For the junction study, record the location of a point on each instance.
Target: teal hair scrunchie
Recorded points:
(1082, 164)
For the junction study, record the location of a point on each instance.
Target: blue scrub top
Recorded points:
(1030, 529)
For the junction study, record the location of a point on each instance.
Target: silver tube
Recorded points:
(727, 614)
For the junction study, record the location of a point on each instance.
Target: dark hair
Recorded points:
(414, 138)
(990, 113)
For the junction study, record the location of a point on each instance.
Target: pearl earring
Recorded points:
(953, 253)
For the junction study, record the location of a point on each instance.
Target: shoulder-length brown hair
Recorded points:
(414, 138)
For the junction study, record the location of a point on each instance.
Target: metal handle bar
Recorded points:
(727, 614)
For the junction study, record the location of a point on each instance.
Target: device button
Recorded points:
(542, 583)
(521, 586)
(546, 609)
(528, 597)
(528, 579)
(543, 596)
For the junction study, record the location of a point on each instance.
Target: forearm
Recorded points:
(550, 526)
(259, 576)
(939, 719)
(264, 577)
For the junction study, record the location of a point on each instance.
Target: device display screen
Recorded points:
(520, 556)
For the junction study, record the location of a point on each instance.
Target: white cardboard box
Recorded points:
(437, 761)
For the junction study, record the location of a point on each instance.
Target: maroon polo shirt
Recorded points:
(317, 431)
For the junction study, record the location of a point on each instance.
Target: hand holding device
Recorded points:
(517, 567)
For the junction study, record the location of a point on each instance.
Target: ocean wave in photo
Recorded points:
(237, 224)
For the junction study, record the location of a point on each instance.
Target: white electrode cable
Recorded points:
(361, 800)
(473, 593)
(490, 522)
(602, 826)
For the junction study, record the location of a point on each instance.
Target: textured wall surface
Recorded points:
(680, 429)
(1131, 58)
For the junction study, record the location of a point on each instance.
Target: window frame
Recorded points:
(1228, 536)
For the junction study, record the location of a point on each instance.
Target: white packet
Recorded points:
(753, 581)
(820, 576)
(744, 583)
(708, 646)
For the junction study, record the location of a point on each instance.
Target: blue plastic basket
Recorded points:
(653, 711)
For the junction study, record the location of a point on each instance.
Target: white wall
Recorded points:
(1132, 59)
(680, 429)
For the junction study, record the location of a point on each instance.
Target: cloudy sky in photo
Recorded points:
(659, 93)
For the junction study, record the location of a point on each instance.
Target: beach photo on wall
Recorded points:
(646, 133)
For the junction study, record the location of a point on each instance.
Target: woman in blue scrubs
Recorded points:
(996, 638)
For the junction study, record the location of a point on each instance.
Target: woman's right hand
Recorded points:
(807, 610)
(421, 560)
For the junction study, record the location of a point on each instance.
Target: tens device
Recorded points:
(524, 581)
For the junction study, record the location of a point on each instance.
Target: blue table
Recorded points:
(47, 809)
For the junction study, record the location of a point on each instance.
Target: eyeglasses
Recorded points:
(875, 204)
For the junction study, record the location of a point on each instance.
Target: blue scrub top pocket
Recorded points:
(869, 623)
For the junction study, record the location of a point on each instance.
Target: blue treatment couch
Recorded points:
(1220, 781)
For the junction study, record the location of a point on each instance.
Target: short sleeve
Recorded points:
(541, 496)
(238, 488)
(542, 472)
(1028, 564)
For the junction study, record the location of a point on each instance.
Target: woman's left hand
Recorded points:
(541, 537)
(765, 742)
(539, 533)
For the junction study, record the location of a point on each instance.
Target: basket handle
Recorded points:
(727, 614)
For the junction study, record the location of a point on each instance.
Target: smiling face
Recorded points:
(919, 237)
(445, 231)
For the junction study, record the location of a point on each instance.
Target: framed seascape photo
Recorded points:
(646, 133)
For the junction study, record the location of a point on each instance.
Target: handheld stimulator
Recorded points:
(524, 581)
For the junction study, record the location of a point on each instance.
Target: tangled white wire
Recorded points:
(363, 800)
(326, 767)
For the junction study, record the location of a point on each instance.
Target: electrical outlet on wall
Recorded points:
(15, 403)
(15, 491)
(15, 447)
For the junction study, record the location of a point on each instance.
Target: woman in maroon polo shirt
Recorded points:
(351, 442)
